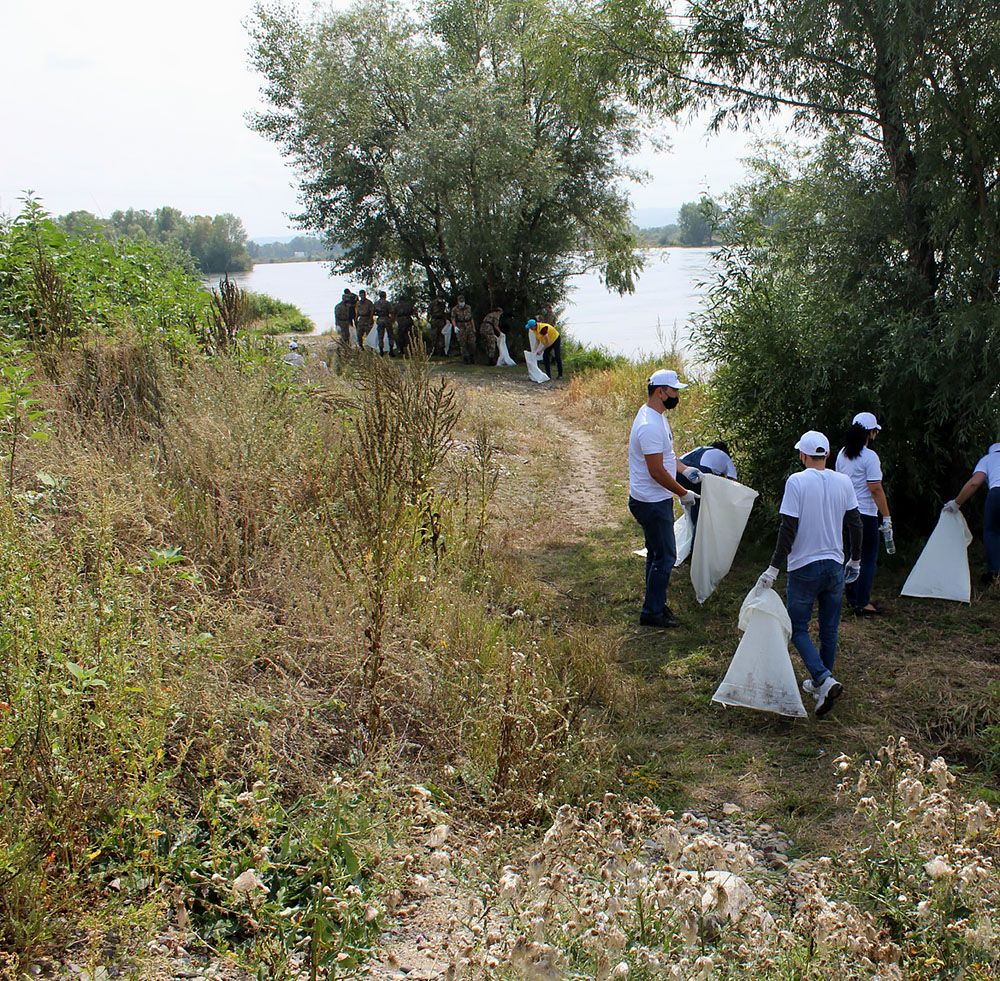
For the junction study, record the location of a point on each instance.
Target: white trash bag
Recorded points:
(722, 518)
(505, 360)
(683, 536)
(534, 372)
(448, 335)
(371, 341)
(942, 571)
(760, 675)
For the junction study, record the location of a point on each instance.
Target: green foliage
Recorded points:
(582, 358)
(54, 286)
(216, 244)
(468, 144)
(272, 316)
(865, 273)
(698, 222)
(813, 320)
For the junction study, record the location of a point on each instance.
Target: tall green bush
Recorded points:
(55, 285)
(813, 321)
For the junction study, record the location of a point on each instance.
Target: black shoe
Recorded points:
(664, 620)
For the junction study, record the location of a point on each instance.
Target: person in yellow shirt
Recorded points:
(551, 344)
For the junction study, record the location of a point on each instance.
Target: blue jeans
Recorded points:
(821, 581)
(859, 592)
(991, 530)
(657, 521)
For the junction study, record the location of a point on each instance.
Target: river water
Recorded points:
(669, 293)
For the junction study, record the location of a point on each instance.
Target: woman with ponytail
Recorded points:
(861, 463)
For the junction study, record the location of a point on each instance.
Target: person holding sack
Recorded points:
(986, 473)
(816, 505)
(652, 484)
(861, 463)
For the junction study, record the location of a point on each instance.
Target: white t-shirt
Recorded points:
(864, 467)
(651, 433)
(990, 465)
(819, 499)
(718, 462)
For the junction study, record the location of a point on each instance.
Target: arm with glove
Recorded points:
(786, 537)
(659, 473)
(855, 535)
(971, 486)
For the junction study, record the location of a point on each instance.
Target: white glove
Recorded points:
(688, 499)
(887, 523)
(851, 571)
(693, 474)
(951, 507)
(767, 578)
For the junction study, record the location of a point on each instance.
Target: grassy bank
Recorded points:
(288, 661)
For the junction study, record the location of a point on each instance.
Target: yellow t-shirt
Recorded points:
(549, 337)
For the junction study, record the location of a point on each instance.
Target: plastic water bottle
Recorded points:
(890, 545)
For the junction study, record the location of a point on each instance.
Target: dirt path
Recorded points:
(428, 935)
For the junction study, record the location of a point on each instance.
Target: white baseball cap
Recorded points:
(866, 419)
(668, 377)
(813, 443)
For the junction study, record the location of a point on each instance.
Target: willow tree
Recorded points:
(470, 144)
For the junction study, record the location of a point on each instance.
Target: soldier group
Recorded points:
(355, 315)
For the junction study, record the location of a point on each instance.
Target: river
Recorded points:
(669, 293)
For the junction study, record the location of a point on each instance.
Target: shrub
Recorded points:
(54, 286)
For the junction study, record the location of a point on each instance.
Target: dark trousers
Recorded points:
(554, 350)
(991, 530)
(657, 521)
(859, 592)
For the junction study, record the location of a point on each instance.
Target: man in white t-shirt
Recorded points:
(815, 508)
(652, 484)
(986, 472)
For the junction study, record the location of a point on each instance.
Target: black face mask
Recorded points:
(670, 401)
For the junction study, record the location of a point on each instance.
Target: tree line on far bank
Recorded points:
(699, 223)
(215, 243)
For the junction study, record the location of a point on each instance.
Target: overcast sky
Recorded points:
(114, 104)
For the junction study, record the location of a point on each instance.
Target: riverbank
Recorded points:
(501, 666)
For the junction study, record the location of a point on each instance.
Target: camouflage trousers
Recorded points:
(437, 336)
(467, 338)
(489, 342)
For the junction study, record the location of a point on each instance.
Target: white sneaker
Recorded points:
(808, 687)
(826, 695)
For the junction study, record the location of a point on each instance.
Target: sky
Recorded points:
(114, 104)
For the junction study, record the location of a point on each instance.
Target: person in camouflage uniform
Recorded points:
(343, 317)
(438, 315)
(461, 315)
(364, 315)
(404, 323)
(489, 331)
(383, 321)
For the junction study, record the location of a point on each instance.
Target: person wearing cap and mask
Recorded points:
(816, 506)
(652, 484)
(986, 473)
(861, 463)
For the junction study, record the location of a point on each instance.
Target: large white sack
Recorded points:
(942, 571)
(760, 675)
(505, 360)
(534, 372)
(722, 517)
(372, 339)
(448, 335)
(683, 536)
